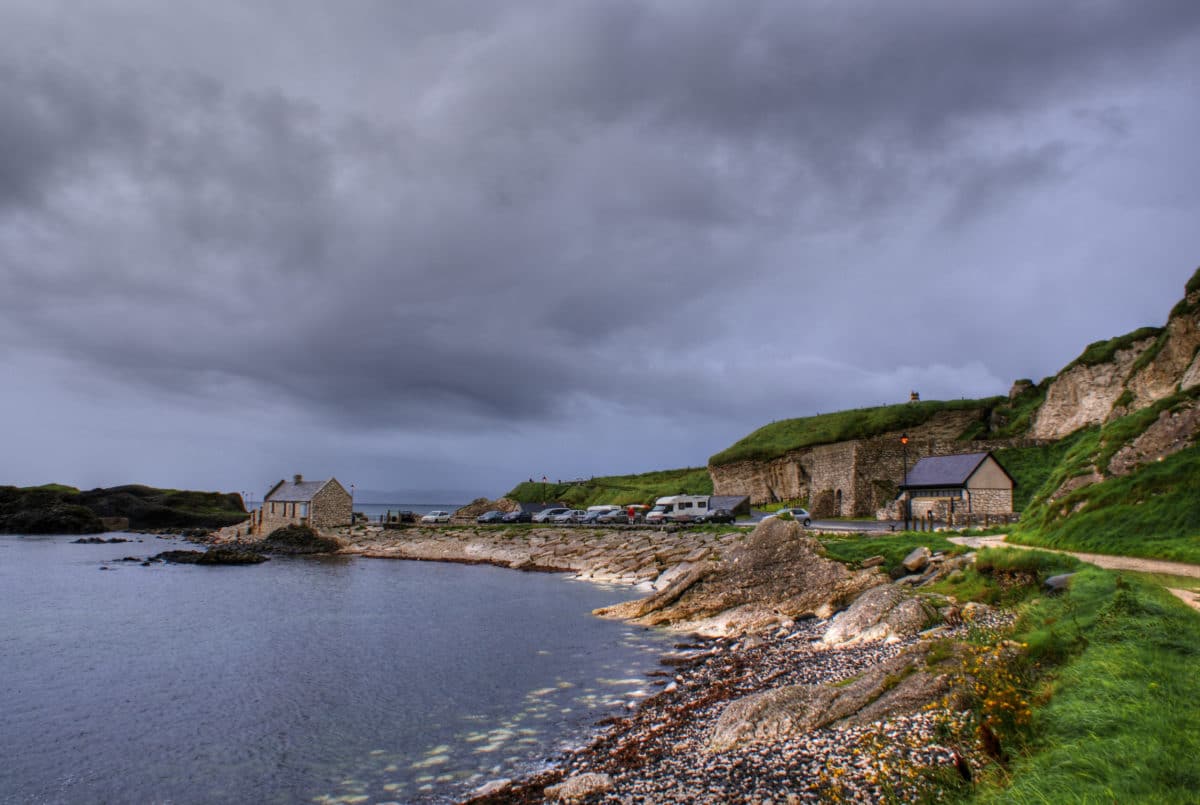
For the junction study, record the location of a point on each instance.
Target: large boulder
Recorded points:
(901, 685)
(778, 574)
(882, 613)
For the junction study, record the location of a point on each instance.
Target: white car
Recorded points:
(545, 515)
(436, 517)
(798, 514)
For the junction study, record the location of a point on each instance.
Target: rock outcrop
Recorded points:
(900, 685)
(884, 613)
(650, 557)
(779, 573)
(1085, 394)
(468, 513)
(1170, 433)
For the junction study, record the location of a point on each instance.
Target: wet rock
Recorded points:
(580, 786)
(98, 541)
(213, 556)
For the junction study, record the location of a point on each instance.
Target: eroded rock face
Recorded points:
(1170, 433)
(1171, 367)
(778, 573)
(1084, 395)
(902, 684)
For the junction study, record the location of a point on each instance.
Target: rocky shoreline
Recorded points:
(669, 748)
(802, 680)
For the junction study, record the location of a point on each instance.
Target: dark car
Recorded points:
(592, 516)
(490, 517)
(517, 517)
(617, 517)
(720, 516)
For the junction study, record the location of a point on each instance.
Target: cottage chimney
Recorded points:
(297, 478)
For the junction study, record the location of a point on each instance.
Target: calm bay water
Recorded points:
(296, 680)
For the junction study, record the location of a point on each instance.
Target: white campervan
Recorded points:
(679, 508)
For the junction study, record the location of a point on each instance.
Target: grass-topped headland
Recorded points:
(617, 489)
(1099, 352)
(58, 509)
(779, 438)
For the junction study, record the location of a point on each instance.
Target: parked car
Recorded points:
(493, 516)
(566, 516)
(657, 515)
(593, 516)
(720, 516)
(798, 514)
(545, 514)
(436, 517)
(517, 517)
(617, 517)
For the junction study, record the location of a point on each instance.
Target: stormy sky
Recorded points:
(435, 248)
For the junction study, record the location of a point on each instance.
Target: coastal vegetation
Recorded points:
(779, 438)
(1110, 668)
(642, 488)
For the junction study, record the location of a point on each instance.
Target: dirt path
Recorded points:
(1189, 597)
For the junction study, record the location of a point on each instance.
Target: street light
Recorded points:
(904, 481)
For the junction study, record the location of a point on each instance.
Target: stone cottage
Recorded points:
(320, 504)
(954, 488)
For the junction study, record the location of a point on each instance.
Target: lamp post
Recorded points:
(904, 482)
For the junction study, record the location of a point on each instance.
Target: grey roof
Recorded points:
(730, 502)
(292, 492)
(944, 470)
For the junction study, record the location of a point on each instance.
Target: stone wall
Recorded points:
(332, 507)
(274, 514)
(853, 478)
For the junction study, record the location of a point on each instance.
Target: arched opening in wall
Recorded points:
(837, 503)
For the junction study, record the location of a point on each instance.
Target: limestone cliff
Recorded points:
(1125, 375)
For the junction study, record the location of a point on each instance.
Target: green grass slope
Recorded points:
(618, 489)
(1152, 512)
(1115, 717)
(779, 438)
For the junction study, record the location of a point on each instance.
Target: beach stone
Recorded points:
(873, 561)
(579, 787)
(1057, 584)
(917, 559)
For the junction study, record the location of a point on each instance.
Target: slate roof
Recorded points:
(730, 502)
(944, 470)
(292, 492)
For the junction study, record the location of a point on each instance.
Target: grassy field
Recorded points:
(778, 438)
(893, 547)
(618, 489)
(1153, 513)
(1104, 351)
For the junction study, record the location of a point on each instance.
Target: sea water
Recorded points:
(296, 680)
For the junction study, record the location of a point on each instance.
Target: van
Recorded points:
(679, 509)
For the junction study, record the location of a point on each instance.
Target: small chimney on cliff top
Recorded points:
(914, 396)
(297, 478)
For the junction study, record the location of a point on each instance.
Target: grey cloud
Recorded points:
(465, 216)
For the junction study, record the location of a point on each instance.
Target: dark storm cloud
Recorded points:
(522, 206)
